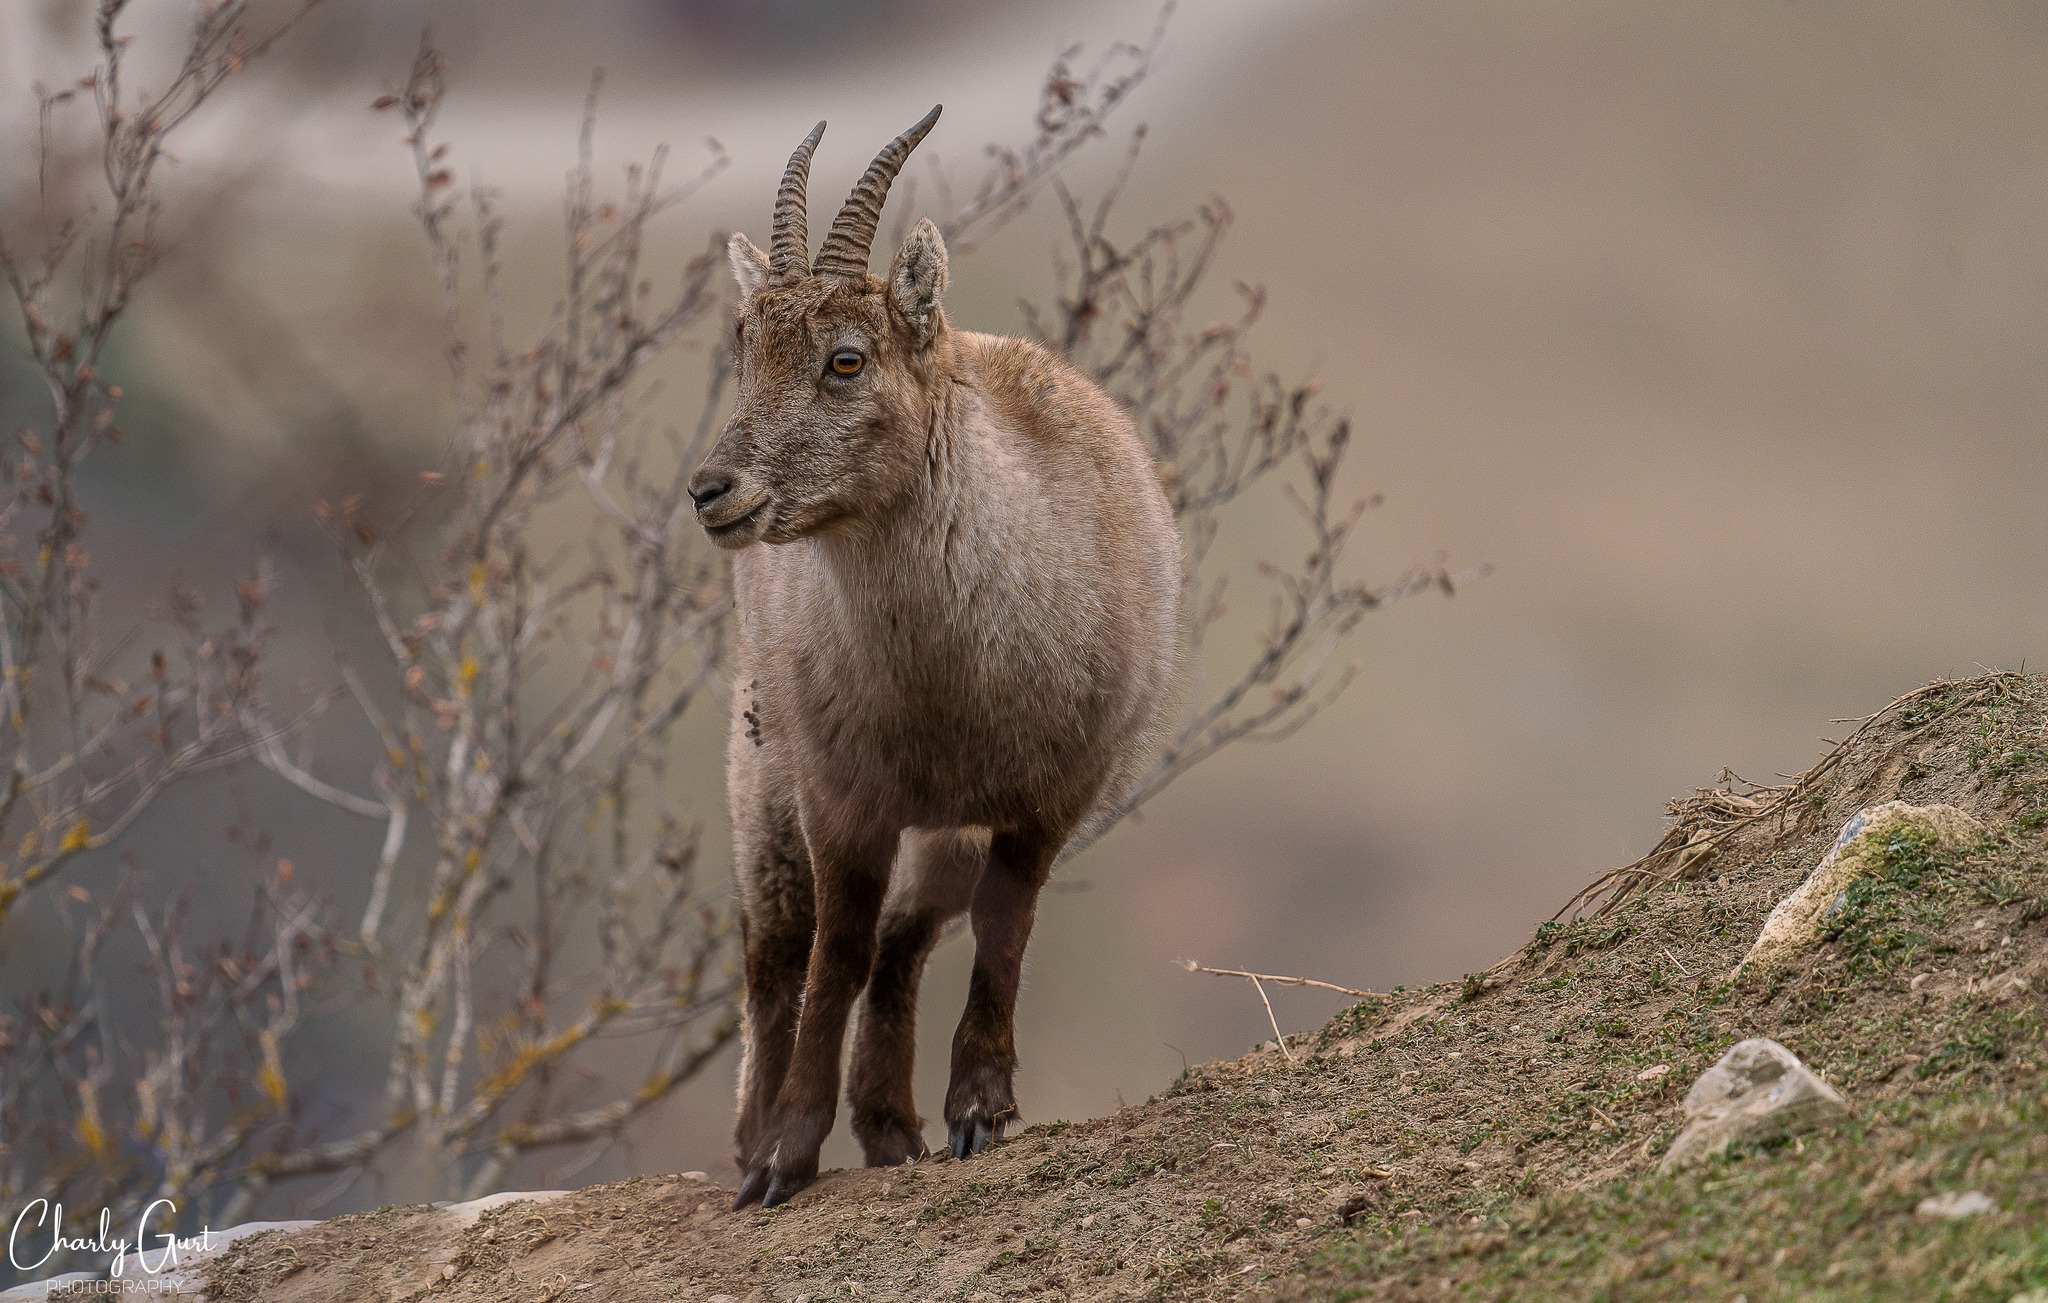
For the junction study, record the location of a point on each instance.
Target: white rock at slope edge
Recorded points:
(184, 1277)
(1758, 1090)
(1799, 917)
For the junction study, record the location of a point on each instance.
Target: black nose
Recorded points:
(707, 489)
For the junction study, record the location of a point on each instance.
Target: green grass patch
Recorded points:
(1830, 1217)
(1888, 918)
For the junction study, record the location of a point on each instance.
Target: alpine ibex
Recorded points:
(957, 644)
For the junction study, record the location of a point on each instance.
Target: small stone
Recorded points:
(693, 1176)
(1653, 1072)
(1758, 1090)
(1302, 1223)
(1954, 1206)
(448, 1272)
(1087, 1221)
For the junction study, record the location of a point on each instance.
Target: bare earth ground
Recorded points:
(1494, 1138)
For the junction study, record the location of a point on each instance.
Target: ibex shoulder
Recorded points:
(1044, 398)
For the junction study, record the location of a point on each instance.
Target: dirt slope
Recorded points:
(1493, 1138)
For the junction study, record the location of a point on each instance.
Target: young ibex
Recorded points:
(957, 645)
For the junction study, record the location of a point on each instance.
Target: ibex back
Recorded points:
(956, 644)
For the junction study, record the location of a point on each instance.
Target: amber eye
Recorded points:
(846, 362)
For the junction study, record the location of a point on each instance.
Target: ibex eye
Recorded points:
(846, 362)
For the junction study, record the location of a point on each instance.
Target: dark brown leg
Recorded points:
(934, 881)
(777, 916)
(850, 872)
(879, 1087)
(982, 1100)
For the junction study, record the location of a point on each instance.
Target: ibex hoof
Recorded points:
(768, 1187)
(781, 1188)
(782, 1167)
(890, 1143)
(973, 1134)
(752, 1186)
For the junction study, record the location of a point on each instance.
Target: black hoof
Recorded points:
(752, 1187)
(891, 1146)
(781, 1189)
(972, 1135)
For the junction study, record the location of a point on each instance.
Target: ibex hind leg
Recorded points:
(982, 1101)
(934, 882)
(778, 916)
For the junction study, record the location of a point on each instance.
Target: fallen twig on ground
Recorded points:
(1256, 978)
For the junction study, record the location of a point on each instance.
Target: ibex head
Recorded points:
(832, 366)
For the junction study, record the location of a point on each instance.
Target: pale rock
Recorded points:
(1653, 1072)
(1954, 1206)
(1801, 917)
(184, 1277)
(466, 1214)
(1758, 1090)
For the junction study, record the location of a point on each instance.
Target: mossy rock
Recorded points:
(1866, 842)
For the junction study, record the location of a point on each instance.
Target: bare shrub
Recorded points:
(536, 892)
(534, 702)
(95, 726)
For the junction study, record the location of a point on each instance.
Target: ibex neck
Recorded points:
(941, 533)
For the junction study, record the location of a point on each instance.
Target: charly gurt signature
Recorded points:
(41, 1225)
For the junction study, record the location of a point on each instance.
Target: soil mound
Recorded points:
(1494, 1138)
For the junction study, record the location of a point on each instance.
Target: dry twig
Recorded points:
(1194, 967)
(1701, 822)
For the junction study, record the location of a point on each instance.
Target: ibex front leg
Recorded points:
(934, 882)
(777, 916)
(982, 1099)
(850, 871)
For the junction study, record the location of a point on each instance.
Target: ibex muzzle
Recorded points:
(957, 647)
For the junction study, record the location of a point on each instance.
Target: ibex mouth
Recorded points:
(741, 529)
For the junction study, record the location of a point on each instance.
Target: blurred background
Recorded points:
(1716, 330)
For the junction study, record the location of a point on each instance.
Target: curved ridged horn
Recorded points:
(845, 251)
(790, 249)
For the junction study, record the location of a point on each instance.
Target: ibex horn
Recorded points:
(845, 251)
(790, 249)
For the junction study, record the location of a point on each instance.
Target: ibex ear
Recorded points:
(917, 278)
(749, 265)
